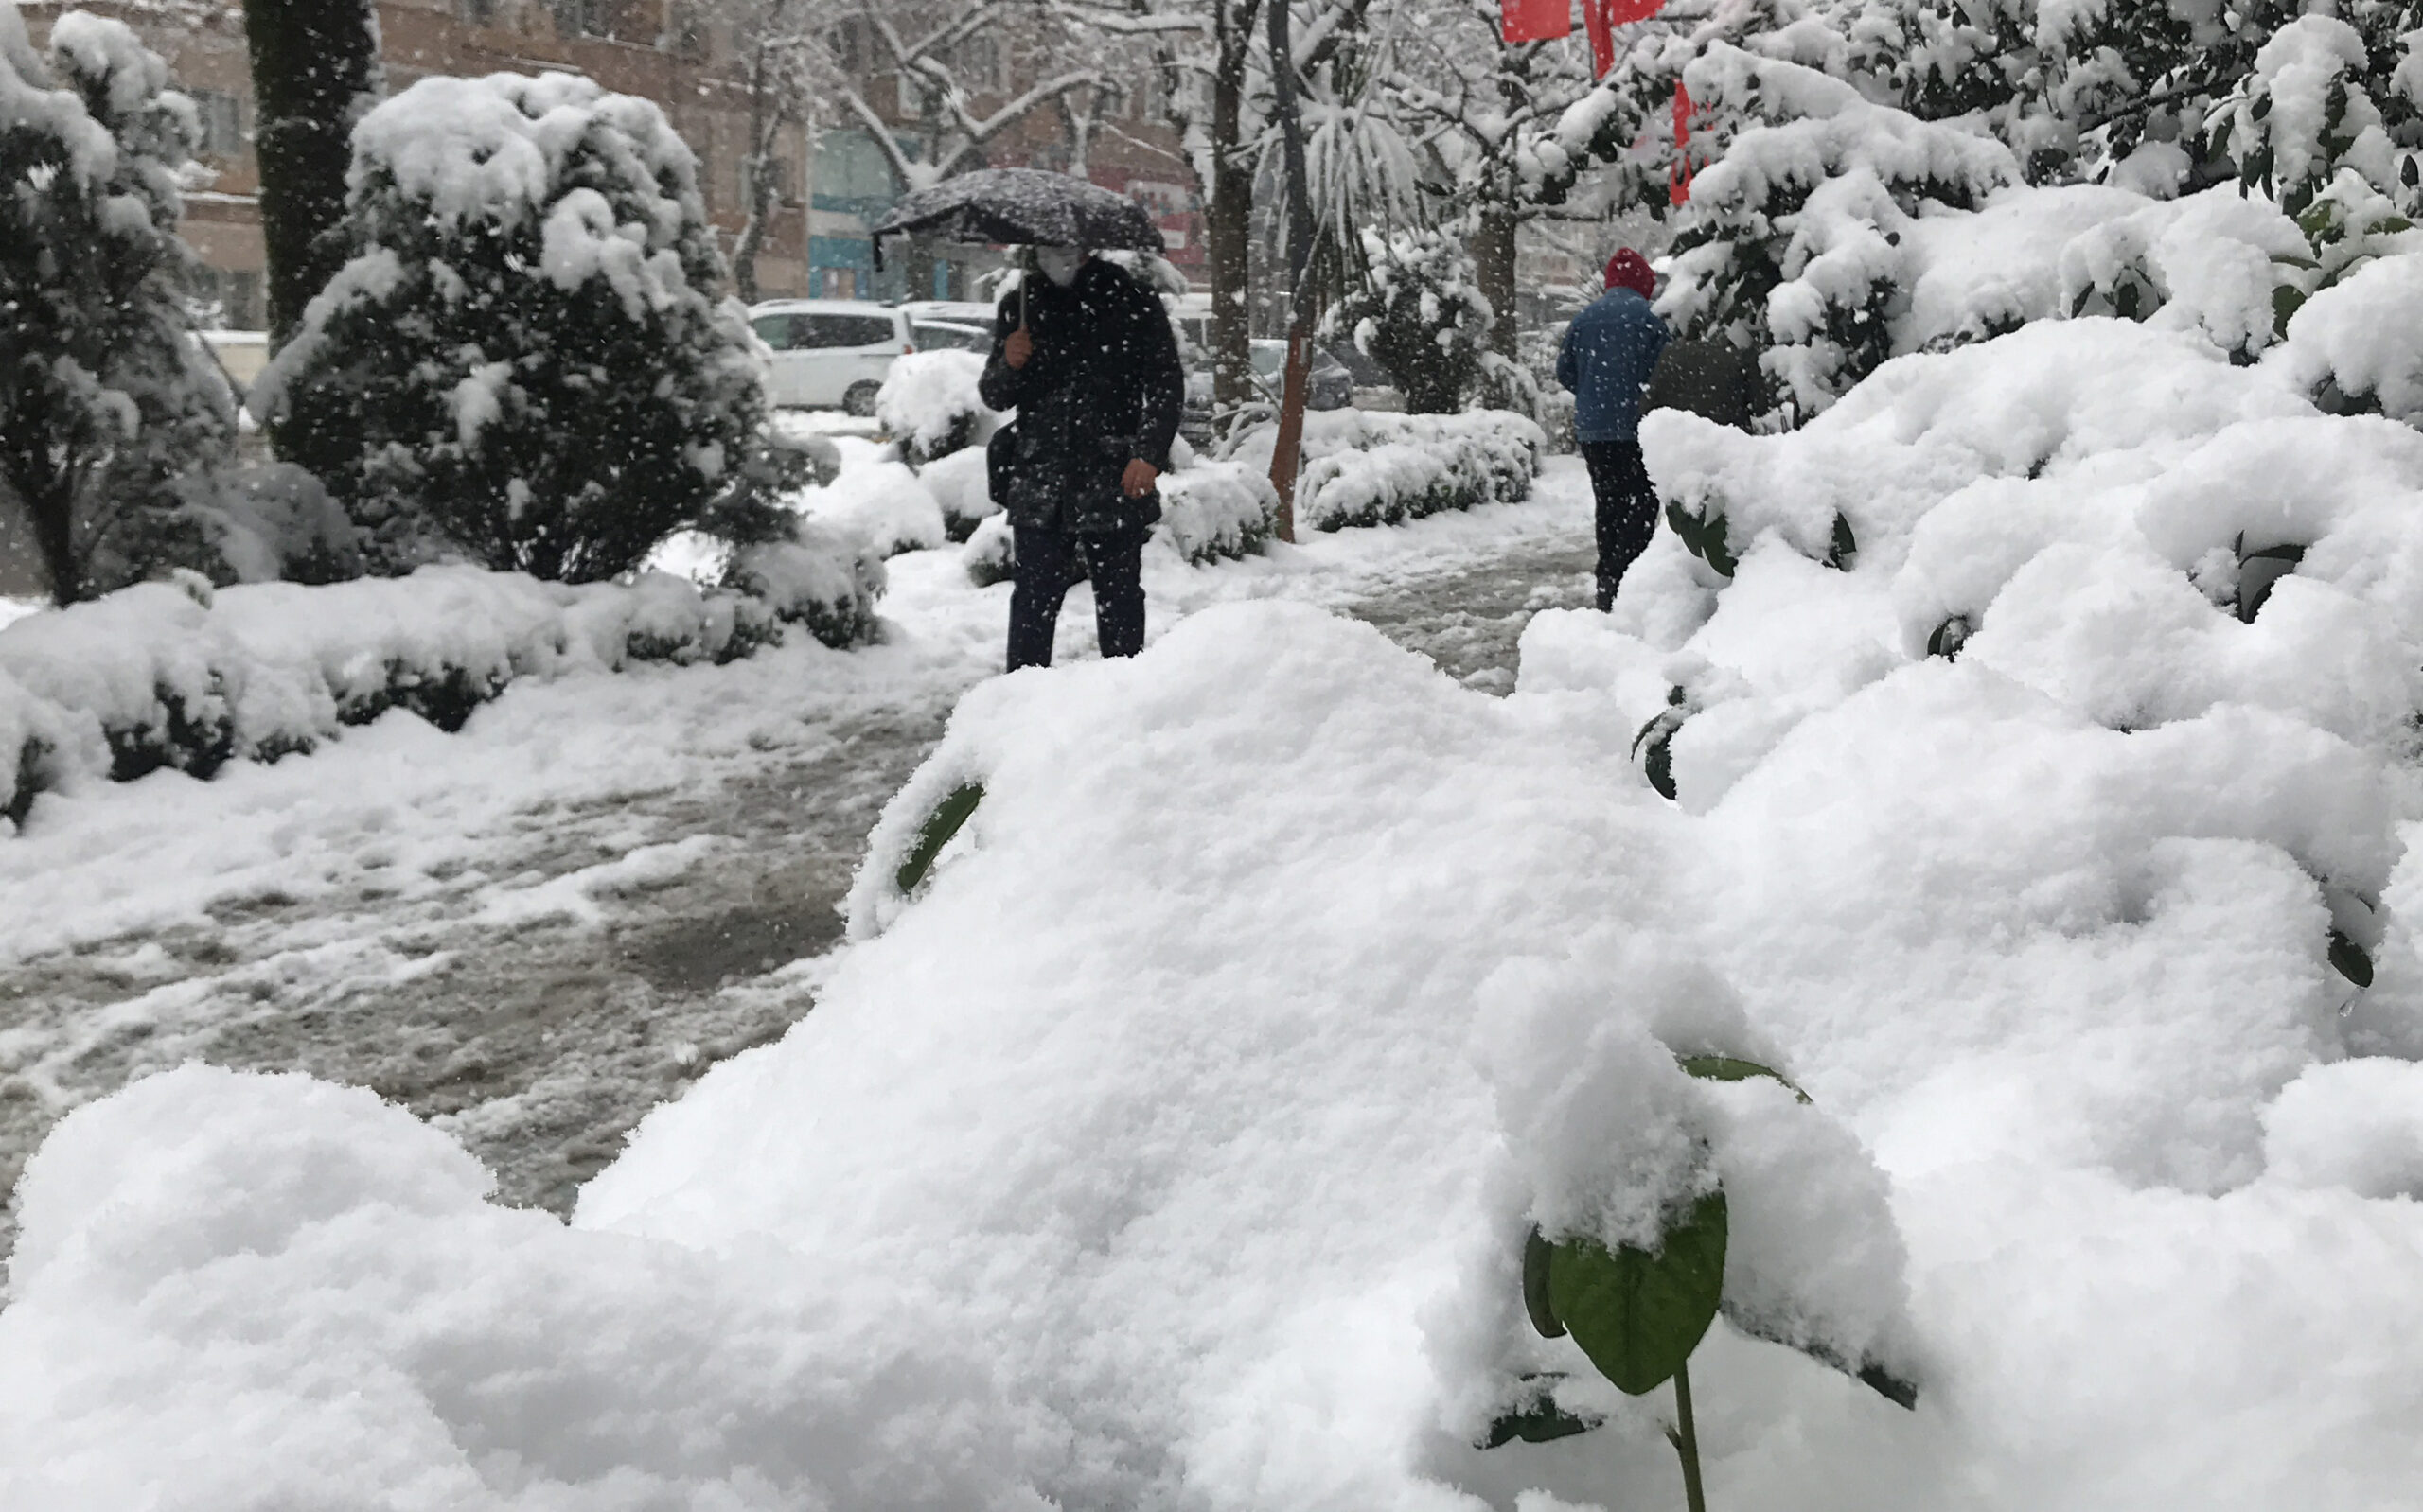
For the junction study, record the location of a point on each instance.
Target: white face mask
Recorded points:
(1060, 264)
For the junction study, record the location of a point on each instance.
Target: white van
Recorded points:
(830, 352)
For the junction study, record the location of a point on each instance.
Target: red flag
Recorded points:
(1678, 178)
(1601, 17)
(1602, 38)
(1535, 20)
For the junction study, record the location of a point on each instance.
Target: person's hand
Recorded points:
(1139, 479)
(1019, 347)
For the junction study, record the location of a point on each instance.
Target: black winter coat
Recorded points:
(1103, 389)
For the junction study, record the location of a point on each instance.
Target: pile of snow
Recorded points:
(2044, 765)
(930, 405)
(244, 1290)
(163, 675)
(1370, 467)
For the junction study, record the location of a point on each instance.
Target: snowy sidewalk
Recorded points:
(535, 930)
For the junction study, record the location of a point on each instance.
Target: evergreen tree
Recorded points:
(523, 336)
(315, 70)
(105, 394)
(1420, 314)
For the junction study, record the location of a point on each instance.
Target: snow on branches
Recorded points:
(107, 398)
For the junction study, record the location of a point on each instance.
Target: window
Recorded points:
(223, 123)
(478, 12)
(775, 330)
(939, 337)
(844, 330)
(980, 65)
(850, 45)
(917, 94)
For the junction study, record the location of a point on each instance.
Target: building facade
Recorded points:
(836, 180)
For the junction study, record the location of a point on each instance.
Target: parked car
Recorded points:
(949, 311)
(830, 352)
(1329, 385)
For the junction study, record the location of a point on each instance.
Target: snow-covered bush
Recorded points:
(107, 399)
(269, 522)
(1367, 468)
(962, 484)
(876, 499)
(1420, 314)
(523, 356)
(818, 580)
(928, 404)
(180, 676)
(1212, 511)
(1793, 241)
(991, 554)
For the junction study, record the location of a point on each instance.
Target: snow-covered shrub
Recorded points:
(1216, 510)
(2217, 263)
(1366, 468)
(1420, 314)
(107, 398)
(2358, 344)
(962, 484)
(523, 353)
(818, 579)
(877, 499)
(928, 404)
(1793, 241)
(991, 555)
(269, 522)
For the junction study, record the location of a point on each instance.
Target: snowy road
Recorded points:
(535, 930)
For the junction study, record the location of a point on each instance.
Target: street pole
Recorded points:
(1287, 454)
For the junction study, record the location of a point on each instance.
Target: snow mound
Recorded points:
(239, 1290)
(876, 499)
(1212, 511)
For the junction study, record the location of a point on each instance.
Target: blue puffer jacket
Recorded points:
(1609, 352)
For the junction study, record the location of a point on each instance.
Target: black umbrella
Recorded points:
(1025, 206)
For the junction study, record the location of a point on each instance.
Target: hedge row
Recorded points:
(178, 675)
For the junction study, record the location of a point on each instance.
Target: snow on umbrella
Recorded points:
(1025, 206)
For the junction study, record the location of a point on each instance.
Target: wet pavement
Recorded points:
(540, 1042)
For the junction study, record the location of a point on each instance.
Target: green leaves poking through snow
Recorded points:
(1657, 736)
(1704, 537)
(1537, 1418)
(1842, 551)
(1537, 1251)
(1902, 1393)
(1733, 1068)
(1638, 1316)
(2351, 961)
(940, 826)
(1949, 638)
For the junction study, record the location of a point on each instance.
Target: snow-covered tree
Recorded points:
(106, 397)
(526, 328)
(1793, 241)
(1419, 314)
(787, 65)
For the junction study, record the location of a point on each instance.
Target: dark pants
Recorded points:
(1050, 562)
(1627, 509)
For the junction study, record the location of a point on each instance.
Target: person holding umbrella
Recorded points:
(1085, 355)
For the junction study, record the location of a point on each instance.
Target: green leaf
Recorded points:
(1719, 556)
(1904, 1394)
(2286, 299)
(941, 825)
(1537, 1418)
(1659, 766)
(1638, 1316)
(1536, 1254)
(1948, 638)
(2349, 959)
(1842, 553)
(1733, 1068)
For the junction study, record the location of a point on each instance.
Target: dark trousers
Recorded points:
(1050, 562)
(1627, 509)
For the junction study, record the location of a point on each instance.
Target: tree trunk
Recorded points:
(315, 67)
(1493, 249)
(1287, 451)
(1229, 215)
(53, 517)
(759, 166)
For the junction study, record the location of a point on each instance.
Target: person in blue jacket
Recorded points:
(1609, 352)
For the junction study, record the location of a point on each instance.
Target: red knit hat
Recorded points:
(1630, 270)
